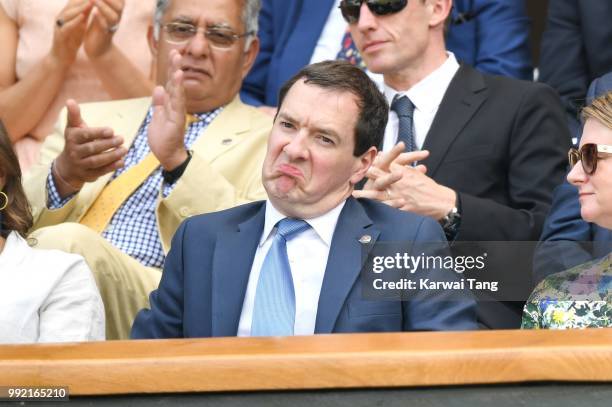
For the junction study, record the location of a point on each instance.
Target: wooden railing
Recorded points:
(315, 362)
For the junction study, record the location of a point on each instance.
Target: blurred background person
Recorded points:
(581, 297)
(576, 49)
(490, 35)
(45, 295)
(52, 50)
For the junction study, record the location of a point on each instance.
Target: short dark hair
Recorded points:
(17, 215)
(342, 76)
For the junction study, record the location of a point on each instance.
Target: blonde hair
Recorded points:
(600, 109)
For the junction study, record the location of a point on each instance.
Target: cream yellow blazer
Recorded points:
(225, 170)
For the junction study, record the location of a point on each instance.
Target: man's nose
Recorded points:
(297, 148)
(198, 45)
(367, 20)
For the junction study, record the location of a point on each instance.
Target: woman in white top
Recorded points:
(45, 295)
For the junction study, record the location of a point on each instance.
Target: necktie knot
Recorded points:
(402, 106)
(289, 227)
(190, 119)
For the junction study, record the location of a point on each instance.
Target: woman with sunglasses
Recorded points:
(582, 296)
(45, 295)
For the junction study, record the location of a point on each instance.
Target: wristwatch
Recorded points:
(170, 177)
(451, 222)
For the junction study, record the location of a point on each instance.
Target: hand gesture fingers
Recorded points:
(411, 157)
(384, 160)
(166, 133)
(110, 11)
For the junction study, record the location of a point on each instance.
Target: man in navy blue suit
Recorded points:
(491, 35)
(562, 245)
(242, 271)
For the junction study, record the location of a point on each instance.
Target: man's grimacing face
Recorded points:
(310, 167)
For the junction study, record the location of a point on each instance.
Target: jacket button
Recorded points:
(185, 212)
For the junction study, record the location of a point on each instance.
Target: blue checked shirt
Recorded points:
(133, 228)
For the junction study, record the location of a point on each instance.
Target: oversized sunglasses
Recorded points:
(350, 8)
(588, 155)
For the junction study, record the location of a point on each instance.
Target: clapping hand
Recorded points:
(167, 128)
(99, 35)
(70, 27)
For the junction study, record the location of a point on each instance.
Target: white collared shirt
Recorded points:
(426, 96)
(47, 296)
(307, 253)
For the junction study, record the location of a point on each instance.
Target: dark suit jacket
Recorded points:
(576, 49)
(562, 245)
(501, 144)
(494, 39)
(202, 289)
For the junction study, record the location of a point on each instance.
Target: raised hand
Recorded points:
(70, 26)
(167, 128)
(99, 36)
(88, 153)
(393, 180)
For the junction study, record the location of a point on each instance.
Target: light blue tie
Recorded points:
(274, 309)
(405, 111)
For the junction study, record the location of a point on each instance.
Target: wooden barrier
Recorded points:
(314, 362)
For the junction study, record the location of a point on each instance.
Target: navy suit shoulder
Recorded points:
(415, 227)
(492, 36)
(575, 50)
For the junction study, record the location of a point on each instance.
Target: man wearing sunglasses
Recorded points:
(130, 171)
(492, 35)
(480, 154)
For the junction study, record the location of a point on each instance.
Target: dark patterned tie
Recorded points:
(348, 51)
(404, 109)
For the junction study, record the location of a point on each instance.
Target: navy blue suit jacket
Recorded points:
(494, 39)
(205, 276)
(576, 49)
(560, 245)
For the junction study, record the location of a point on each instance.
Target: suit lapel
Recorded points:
(233, 259)
(462, 99)
(344, 263)
(125, 121)
(225, 131)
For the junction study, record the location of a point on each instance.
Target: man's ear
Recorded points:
(363, 165)
(438, 11)
(152, 41)
(249, 56)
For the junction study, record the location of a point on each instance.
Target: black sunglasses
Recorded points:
(350, 8)
(588, 155)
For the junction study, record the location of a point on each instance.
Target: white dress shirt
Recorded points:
(307, 253)
(47, 296)
(426, 96)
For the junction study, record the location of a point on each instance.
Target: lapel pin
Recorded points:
(365, 239)
(226, 141)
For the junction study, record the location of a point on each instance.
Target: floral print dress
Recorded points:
(580, 297)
